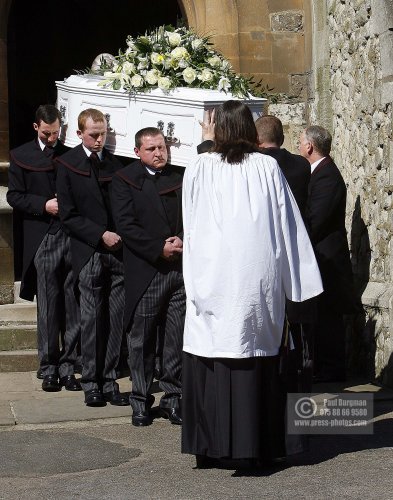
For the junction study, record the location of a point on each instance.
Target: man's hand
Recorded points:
(52, 207)
(176, 241)
(173, 248)
(208, 125)
(111, 241)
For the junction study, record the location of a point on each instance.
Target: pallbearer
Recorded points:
(47, 270)
(83, 187)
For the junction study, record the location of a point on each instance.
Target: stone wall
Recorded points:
(359, 59)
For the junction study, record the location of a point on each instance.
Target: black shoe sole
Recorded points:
(98, 404)
(51, 389)
(138, 423)
(167, 417)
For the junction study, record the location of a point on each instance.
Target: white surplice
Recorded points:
(245, 249)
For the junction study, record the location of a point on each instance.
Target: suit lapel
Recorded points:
(80, 164)
(323, 163)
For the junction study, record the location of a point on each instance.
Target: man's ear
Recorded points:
(35, 126)
(136, 151)
(79, 134)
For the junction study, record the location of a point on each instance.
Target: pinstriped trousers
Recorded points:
(163, 302)
(57, 309)
(101, 286)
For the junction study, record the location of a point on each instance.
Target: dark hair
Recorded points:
(47, 113)
(320, 138)
(270, 130)
(146, 132)
(235, 134)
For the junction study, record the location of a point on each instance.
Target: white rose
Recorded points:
(183, 63)
(173, 38)
(164, 83)
(224, 84)
(152, 76)
(128, 68)
(206, 75)
(171, 63)
(197, 43)
(157, 58)
(180, 53)
(214, 61)
(137, 81)
(189, 75)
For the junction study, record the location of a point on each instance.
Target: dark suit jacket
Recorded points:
(143, 225)
(82, 206)
(325, 218)
(31, 184)
(297, 172)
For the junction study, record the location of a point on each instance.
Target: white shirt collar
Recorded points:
(88, 152)
(316, 163)
(42, 145)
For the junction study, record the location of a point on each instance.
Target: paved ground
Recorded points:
(53, 447)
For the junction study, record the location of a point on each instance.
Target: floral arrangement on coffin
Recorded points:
(171, 57)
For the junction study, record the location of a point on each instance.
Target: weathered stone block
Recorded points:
(285, 60)
(386, 44)
(381, 16)
(290, 20)
(298, 85)
(387, 93)
(6, 293)
(278, 5)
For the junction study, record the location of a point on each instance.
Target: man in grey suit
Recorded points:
(147, 211)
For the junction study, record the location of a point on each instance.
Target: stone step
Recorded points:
(17, 299)
(19, 361)
(24, 313)
(17, 337)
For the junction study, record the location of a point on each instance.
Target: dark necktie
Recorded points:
(48, 151)
(94, 159)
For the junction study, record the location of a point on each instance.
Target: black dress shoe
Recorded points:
(173, 414)
(205, 462)
(116, 398)
(70, 383)
(40, 374)
(141, 418)
(51, 383)
(94, 398)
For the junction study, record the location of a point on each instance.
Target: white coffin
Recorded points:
(176, 113)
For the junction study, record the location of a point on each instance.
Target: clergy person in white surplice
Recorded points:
(245, 250)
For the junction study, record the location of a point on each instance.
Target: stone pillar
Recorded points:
(6, 245)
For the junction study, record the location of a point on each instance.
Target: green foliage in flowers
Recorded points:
(171, 57)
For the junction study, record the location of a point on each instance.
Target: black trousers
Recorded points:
(101, 286)
(164, 303)
(58, 318)
(328, 334)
